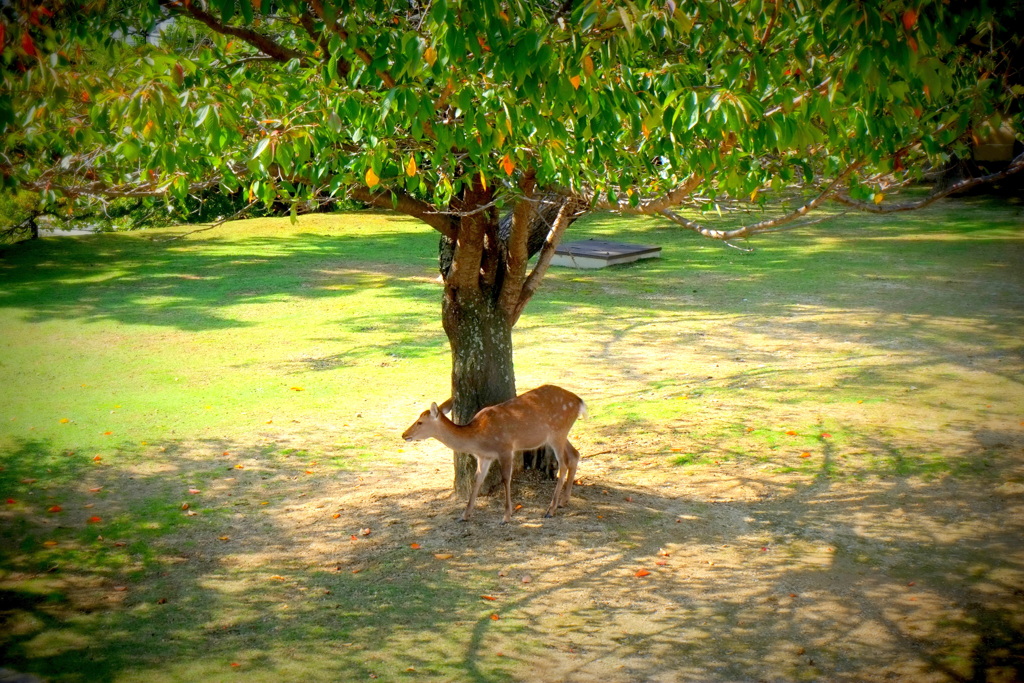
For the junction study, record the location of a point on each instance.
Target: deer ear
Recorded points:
(434, 410)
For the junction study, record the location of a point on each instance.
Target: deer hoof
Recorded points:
(549, 514)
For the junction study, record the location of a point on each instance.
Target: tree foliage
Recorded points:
(630, 105)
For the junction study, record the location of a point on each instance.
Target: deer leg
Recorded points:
(506, 480)
(482, 466)
(559, 479)
(572, 457)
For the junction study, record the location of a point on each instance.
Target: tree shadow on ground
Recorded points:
(351, 572)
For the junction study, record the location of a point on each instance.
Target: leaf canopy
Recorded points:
(614, 101)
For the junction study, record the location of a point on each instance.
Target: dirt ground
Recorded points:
(730, 572)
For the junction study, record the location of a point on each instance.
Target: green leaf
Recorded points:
(227, 10)
(201, 114)
(261, 148)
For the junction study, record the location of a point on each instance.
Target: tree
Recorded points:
(455, 111)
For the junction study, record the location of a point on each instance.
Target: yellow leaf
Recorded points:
(410, 168)
(443, 556)
(430, 56)
(64, 420)
(483, 180)
(575, 80)
(588, 65)
(371, 178)
(508, 165)
(877, 199)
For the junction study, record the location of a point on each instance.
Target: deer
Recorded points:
(540, 417)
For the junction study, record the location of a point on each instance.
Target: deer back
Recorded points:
(532, 419)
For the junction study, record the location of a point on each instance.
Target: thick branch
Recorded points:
(263, 43)
(569, 210)
(410, 206)
(518, 250)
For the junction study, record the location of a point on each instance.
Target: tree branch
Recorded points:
(366, 57)
(410, 206)
(518, 250)
(1015, 166)
(766, 225)
(657, 204)
(263, 43)
(570, 207)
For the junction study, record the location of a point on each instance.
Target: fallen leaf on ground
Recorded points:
(55, 508)
(297, 389)
(336, 515)
(96, 489)
(184, 506)
(642, 573)
(121, 589)
(94, 520)
(826, 435)
(414, 546)
(495, 617)
(791, 432)
(224, 538)
(107, 433)
(49, 544)
(488, 597)
(443, 556)
(98, 458)
(119, 544)
(805, 454)
(365, 532)
(64, 420)
(277, 577)
(239, 467)
(661, 563)
(191, 513)
(193, 491)
(527, 579)
(235, 664)
(11, 501)
(354, 537)
(162, 601)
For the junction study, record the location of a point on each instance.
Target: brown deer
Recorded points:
(540, 417)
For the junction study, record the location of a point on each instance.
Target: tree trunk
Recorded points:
(481, 341)
(484, 268)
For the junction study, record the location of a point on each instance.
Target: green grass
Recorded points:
(269, 366)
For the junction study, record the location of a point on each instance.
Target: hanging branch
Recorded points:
(1016, 165)
(654, 205)
(770, 224)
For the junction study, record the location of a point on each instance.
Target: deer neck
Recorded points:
(462, 438)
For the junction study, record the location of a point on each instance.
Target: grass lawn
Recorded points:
(805, 462)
